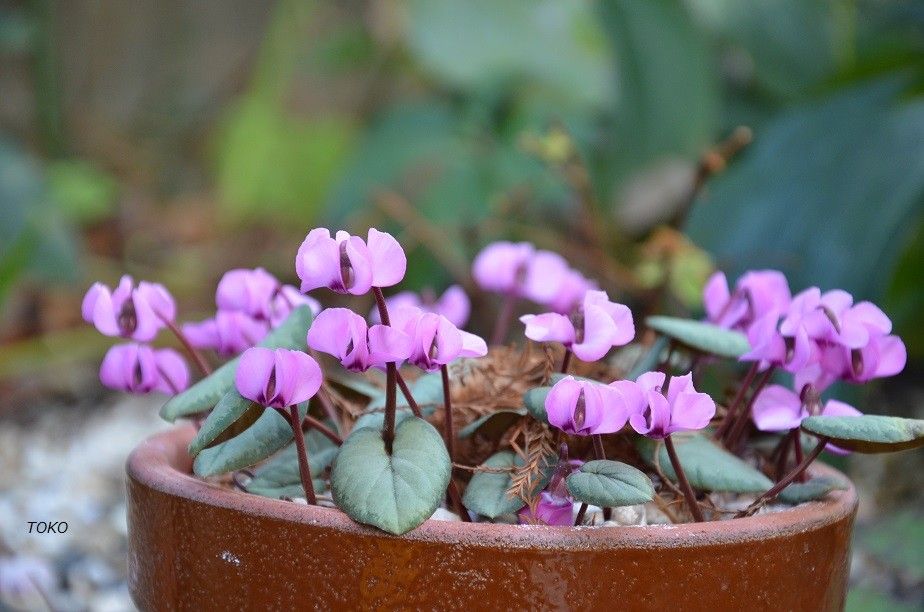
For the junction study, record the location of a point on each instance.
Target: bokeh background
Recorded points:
(649, 141)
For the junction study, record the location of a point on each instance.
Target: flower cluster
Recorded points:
(137, 312)
(819, 337)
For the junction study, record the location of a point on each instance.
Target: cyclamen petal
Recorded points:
(656, 415)
(551, 510)
(777, 408)
(549, 327)
(137, 368)
(277, 378)
(389, 263)
(345, 335)
(173, 371)
(247, 291)
(347, 264)
(454, 305)
(502, 266)
(584, 408)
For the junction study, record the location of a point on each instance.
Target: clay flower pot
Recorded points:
(196, 546)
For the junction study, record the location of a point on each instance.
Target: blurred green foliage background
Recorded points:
(177, 139)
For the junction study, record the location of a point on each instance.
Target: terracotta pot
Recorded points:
(196, 546)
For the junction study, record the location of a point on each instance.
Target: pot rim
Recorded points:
(162, 463)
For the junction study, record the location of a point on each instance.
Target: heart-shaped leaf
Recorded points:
(816, 488)
(492, 425)
(231, 407)
(396, 492)
(208, 391)
(534, 400)
(703, 337)
(610, 484)
(280, 476)
(266, 436)
(486, 492)
(707, 466)
(376, 420)
(868, 433)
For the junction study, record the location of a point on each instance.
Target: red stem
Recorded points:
(321, 428)
(406, 391)
(196, 356)
(736, 402)
(784, 482)
(566, 361)
(304, 470)
(734, 437)
(391, 379)
(503, 319)
(682, 479)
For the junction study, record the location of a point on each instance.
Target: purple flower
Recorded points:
(436, 341)
(453, 304)
(228, 333)
(757, 293)
(137, 368)
(883, 356)
(779, 409)
(346, 264)
(550, 510)
(277, 378)
(585, 408)
(770, 347)
(570, 292)
(345, 335)
(246, 291)
(657, 415)
(591, 331)
(129, 311)
(501, 267)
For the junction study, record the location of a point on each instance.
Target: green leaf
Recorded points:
(280, 476)
(700, 336)
(205, 393)
(353, 382)
(868, 433)
(816, 488)
(395, 493)
(707, 466)
(267, 435)
(534, 399)
(486, 492)
(610, 484)
(229, 409)
(844, 176)
(376, 420)
(492, 425)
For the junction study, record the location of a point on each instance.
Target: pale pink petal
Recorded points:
(318, 260)
(716, 296)
(777, 409)
(691, 411)
(104, 315)
(501, 266)
(472, 345)
(872, 315)
(653, 421)
(615, 411)
(330, 331)
(253, 373)
(651, 381)
(836, 408)
(159, 299)
(454, 305)
(174, 374)
(389, 263)
(549, 327)
(633, 395)
(448, 341)
(545, 274)
(892, 356)
(203, 335)
(600, 333)
(96, 292)
(560, 403)
(388, 345)
(298, 377)
(678, 385)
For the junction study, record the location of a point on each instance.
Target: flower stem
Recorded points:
(736, 402)
(797, 446)
(734, 438)
(406, 391)
(321, 428)
(580, 515)
(600, 453)
(391, 379)
(682, 479)
(503, 319)
(195, 355)
(566, 361)
(450, 439)
(786, 481)
(304, 470)
(329, 409)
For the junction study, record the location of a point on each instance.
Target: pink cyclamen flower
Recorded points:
(347, 264)
(247, 291)
(137, 368)
(780, 409)
(453, 304)
(501, 266)
(551, 509)
(590, 332)
(129, 311)
(228, 333)
(287, 299)
(345, 335)
(757, 293)
(772, 348)
(585, 408)
(277, 378)
(436, 341)
(571, 288)
(657, 415)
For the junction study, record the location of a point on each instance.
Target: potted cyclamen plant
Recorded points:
(539, 474)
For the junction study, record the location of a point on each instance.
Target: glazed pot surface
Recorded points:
(196, 546)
